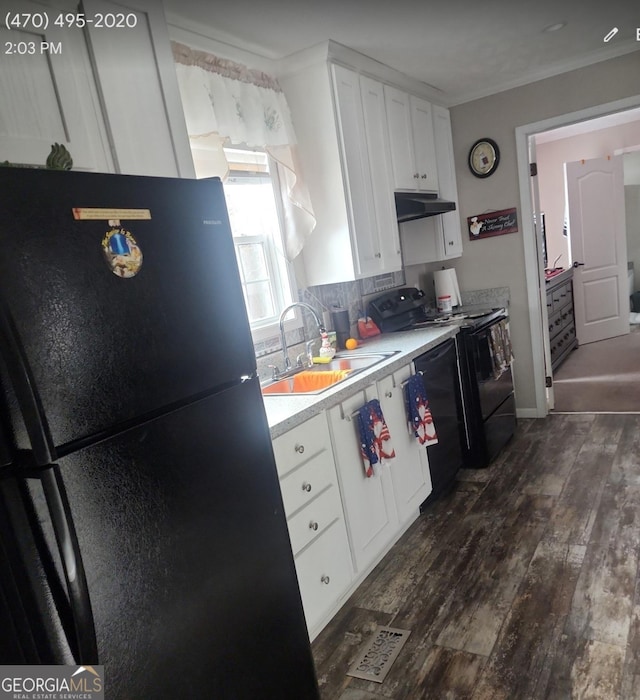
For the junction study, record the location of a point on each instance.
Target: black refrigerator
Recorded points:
(141, 521)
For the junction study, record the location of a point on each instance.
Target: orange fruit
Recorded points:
(351, 344)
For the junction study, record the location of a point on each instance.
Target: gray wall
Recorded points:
(500, 260)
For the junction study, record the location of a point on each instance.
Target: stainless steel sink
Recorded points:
(323, 376)
(353, 361)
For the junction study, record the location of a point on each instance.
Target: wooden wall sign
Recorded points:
(495, 223)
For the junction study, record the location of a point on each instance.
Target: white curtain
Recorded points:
(226, 100)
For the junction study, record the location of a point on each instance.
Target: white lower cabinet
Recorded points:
(410, 468)
(324, 575)
(368, 502)
(315, 518)
(340, 521)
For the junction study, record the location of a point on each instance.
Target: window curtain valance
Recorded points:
(227, 101)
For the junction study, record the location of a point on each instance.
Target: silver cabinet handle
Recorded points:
(378, 255)
(388, 394)
(325, 579)
(313, 525)
(299, 449)
(306, 487)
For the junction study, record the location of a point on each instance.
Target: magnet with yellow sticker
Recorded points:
(122, 253)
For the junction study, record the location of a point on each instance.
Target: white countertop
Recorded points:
(286, 412)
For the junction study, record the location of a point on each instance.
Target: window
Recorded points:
(252, 194)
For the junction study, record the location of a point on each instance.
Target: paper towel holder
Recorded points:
(445, 284)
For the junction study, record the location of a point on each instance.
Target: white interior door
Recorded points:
(597, 241)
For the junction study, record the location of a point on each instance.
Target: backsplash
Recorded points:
(353, 296)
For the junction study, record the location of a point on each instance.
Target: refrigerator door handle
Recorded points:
(86, 647)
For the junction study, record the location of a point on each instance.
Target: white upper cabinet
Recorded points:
(411, 137)
(136, 78)
(341, 127)
(49, 97)
(357, 170)
(450, 235)
(384, 239)
(437, 238)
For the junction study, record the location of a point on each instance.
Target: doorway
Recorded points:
(602, 374)
(572, 126)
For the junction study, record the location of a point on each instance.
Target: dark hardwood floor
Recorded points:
(521, 584)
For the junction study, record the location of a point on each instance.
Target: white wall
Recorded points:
(552, 156)
(500, 260)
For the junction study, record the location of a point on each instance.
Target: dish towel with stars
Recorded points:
(375, 440)
(418, 411)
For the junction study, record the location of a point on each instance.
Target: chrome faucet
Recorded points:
(283, 340)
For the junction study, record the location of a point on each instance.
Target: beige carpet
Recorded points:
(602, 376)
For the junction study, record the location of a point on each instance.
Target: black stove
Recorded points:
(406, 308)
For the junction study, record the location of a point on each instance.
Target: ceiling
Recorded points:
(464, 48)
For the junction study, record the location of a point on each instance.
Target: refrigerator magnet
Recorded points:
(122, 253)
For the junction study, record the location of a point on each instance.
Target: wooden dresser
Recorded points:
(562, 326)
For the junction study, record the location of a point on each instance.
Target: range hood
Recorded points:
(417, 205)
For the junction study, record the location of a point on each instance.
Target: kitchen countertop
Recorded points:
(286, 412)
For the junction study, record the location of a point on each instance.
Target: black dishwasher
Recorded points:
(440, 373)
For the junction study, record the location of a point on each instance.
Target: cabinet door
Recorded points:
(357, 172)
(377, 140)
(410, 468)
(450, 236)
(324, 574)
(405, 174)
(423, 144)
(49, 97)
(368, 501)
(139, 90)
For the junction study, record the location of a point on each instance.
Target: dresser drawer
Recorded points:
(559, 297)
(324, 573)
(301, 443)
(308, 480)
(315, 518)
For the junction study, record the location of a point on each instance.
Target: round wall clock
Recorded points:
(484, 157)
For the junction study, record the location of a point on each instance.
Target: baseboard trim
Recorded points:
(527, 413)
(595, 413)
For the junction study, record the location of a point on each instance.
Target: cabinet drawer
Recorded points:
(566, 337)
(562, 341)
(560, 320)
(296, 446)
(559, 297)
(307, 481)
(313, 520)
(549, 303)
(324, 573)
